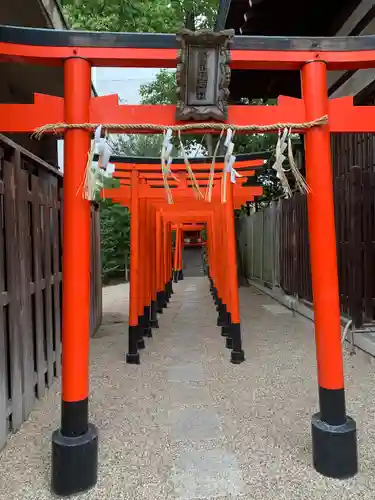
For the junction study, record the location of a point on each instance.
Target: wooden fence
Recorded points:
(258, 245)
(353, 166)
(30, 282)
(354, 189)
(295, 276)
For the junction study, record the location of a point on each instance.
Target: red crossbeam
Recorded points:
(167, 58)
(343, 115)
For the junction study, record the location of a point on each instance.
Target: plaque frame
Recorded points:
(186, 74)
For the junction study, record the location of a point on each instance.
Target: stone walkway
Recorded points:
(192, 259)
(186, 424)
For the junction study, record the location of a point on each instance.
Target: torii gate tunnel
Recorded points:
(150, 294)
(75, 444)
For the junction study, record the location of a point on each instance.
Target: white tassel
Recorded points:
(110, 170)
(228, 137)
(229, 160)
(230, 150)
(301, 184)
(166, 162)
(278, 165)
(169, 134)
(98, 134)
(168, 151)
(95, 172)
(104, 156)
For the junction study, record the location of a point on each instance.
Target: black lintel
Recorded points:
(263, 155)
(72, 38)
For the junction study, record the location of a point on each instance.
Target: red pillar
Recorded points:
(209, 251)
(154, 267)
(218, 254)
(180, 259)
(165, 263)
(170, 258)
(144, 251)
(136, 341)
(177, 253)
(234, 340)
(221, 306)
(75, 444)
(159, 261)
(168, 284)
(333, 432)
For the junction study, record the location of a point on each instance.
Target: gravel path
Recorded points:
(186, 424)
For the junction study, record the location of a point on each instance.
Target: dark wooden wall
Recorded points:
(31, 281)
(354, 189)
(294, 261)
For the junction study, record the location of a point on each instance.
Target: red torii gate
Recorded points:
(145, 316)
(149, 172)
(74, 457)
(180, 230)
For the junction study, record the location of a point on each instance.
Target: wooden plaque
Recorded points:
(203, 75)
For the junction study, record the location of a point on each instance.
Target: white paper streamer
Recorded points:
(229, 160)
(98, 134)
(228, 138)
(278, 165)
(110, 170)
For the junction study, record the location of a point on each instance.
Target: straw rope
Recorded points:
(55, 127)
(165, 182)
(208, 196)
(86, 186)
(194, 182)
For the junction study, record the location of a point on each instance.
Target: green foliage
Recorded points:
(157, 16)
(115, 238)
(162, 90)
(114, 235)
(138, 145)
(258, 143)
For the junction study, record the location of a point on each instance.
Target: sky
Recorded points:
(122, 81)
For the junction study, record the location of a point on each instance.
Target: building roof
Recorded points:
(24, 80)
(292, 18)
(32, 13)
(276, 18)
(19, 81)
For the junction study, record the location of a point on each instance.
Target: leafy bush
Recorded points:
(115, 239)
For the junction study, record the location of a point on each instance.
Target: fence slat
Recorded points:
(3, 364)
(38, 298)
(356, 287)
(12, 268)
(368, 239)
(47, 279)
(26, 326)
(56, 277)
